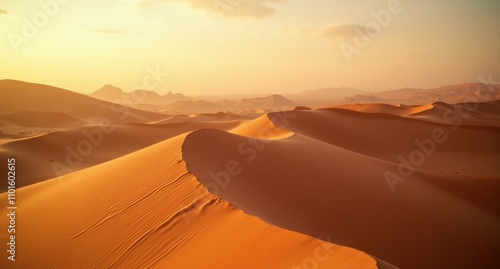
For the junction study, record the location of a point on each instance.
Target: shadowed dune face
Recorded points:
(322, 181)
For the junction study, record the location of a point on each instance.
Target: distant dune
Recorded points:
(192, 107)
(204, 117)
(400, 110)
(24, 96)
(483, 113)
(459, 93)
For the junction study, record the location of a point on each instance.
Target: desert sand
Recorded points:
(146, 210)
(350, 186)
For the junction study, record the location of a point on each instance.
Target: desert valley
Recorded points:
(270, 184)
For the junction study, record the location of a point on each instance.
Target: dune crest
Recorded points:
(264, 128)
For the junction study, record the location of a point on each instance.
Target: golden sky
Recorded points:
(249, 46)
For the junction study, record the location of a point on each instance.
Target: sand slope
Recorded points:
(145, 210)
(67, 151)
(308, 183)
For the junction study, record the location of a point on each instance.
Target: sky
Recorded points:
(203, 47)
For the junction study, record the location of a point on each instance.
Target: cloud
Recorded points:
(3, 12)
(230, 8)
(143, 4)
(106, 31)
(337, 31)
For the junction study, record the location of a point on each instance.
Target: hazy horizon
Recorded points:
(253, 47)
(162, 91)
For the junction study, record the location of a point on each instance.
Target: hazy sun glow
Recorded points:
(282, 46)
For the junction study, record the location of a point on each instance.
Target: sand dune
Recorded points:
(45, 119)
(471, 113)
(24, 96)
(304, 184)
(386, 108)
(473, 150)
(144, 210)
(206, 117)
(264, 128)
(63, 152)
